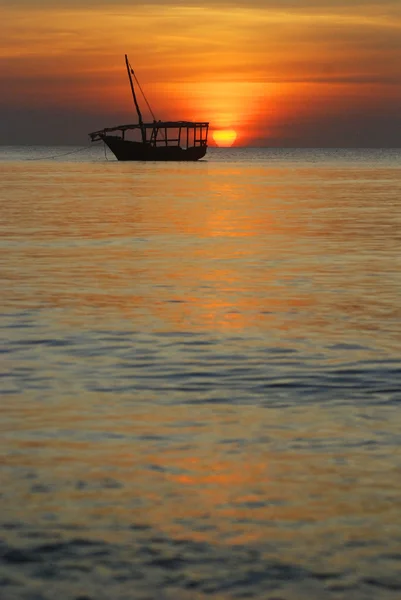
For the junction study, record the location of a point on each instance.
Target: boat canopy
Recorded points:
(161, 132)
(153, 125)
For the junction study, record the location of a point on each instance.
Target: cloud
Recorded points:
(284, 5)
(68, 56)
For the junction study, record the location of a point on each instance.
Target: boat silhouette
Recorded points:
(158, 140)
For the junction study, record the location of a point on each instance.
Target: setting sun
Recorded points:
(224, 137)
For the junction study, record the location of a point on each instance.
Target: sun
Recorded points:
(224, 137)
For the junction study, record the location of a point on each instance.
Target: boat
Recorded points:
(157, 140)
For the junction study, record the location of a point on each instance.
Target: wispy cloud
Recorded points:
(70, 54)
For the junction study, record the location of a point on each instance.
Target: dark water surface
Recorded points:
(201, 376)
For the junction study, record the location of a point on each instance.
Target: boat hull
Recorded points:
(129, 150)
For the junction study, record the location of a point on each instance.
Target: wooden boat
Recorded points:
(158, 140)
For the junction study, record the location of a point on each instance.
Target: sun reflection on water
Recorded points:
(203, 354)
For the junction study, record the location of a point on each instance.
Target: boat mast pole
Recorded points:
(135, 100)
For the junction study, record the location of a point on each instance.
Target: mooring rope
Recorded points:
(63, 154)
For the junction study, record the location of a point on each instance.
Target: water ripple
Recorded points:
(201, 378)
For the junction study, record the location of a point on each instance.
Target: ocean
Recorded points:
(201, 375)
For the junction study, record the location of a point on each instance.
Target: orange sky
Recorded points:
(304, 74)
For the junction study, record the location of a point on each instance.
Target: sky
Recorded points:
(283, 73)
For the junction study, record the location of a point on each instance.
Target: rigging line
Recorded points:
(64, 153)
(144, 97)
(143, 94)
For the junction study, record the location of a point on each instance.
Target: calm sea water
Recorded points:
(201, 376)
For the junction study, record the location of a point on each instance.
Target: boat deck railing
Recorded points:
(162, 133)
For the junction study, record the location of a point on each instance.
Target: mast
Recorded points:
(129, 69)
